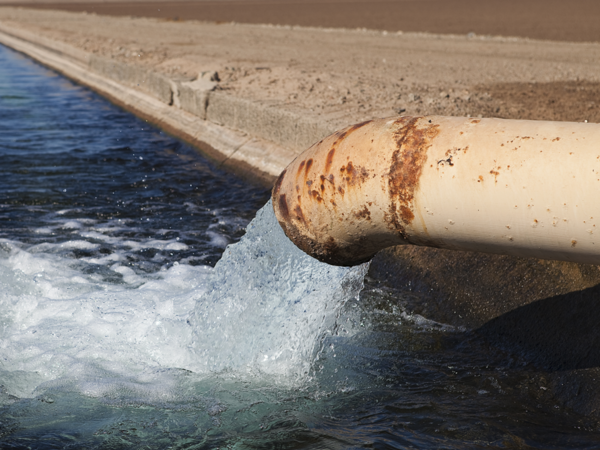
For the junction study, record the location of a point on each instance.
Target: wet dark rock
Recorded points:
(546, 313)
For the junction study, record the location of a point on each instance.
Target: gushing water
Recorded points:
(263, 310)
(269, 305)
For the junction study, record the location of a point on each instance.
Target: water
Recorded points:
(124, 322)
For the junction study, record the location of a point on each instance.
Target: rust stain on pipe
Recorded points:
(405, 171)
(422, 180)
(326, 181)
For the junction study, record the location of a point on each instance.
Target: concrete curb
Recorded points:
(252, 139)
(291, 130)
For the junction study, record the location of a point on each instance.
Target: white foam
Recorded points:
(217, 239)
(108, 259)
(129, 275)
(44, 230)
(262, 310)
(72, 225)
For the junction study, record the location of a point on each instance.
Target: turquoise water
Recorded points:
(126, 324)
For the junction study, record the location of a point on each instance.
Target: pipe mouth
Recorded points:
(350, 195)
(325, 250)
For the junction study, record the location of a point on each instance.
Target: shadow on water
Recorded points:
(557, 333)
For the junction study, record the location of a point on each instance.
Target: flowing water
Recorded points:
(133, 314)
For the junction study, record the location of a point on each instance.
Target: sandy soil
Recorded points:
(573, 20)
(345, 76)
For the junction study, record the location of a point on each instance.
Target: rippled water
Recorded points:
(119, 328)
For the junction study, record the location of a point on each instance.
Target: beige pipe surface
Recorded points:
(516, 187)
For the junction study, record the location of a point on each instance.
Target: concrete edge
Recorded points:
(286, 128)
(254, 140)
(60, 48)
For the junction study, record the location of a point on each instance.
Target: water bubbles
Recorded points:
(275, 305)
(264, 310)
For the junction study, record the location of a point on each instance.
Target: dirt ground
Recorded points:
(345, 76)
(573, 20)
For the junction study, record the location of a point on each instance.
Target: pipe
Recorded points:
(515, 187)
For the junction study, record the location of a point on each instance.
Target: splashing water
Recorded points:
(263, 310)
(269, 304)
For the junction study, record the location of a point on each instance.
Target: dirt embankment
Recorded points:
(559, 20)
(345, 76)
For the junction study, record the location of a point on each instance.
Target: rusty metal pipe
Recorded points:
(516, 187)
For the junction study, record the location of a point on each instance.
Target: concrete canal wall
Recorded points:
(250, 138)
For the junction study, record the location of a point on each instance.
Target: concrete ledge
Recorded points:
(59, 48)
(286, 128)
(192, 96)
(247, 137)
(136, 77)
